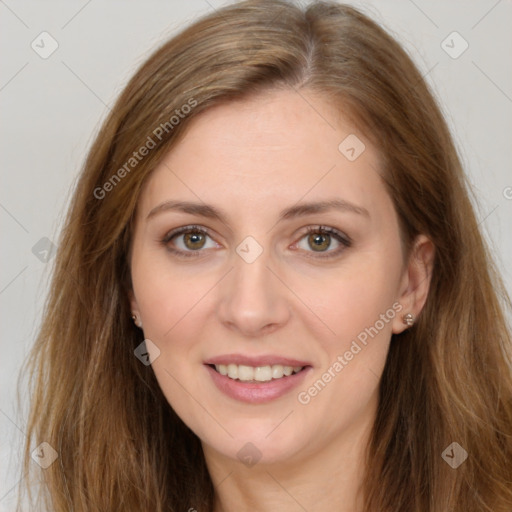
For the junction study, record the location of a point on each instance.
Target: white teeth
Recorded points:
(258, 373)
(245, 372)
(232, 371)
(263, 373)
(277, 371)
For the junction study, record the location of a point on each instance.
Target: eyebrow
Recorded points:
(298, 210)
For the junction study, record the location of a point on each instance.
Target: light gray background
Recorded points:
(52, 107)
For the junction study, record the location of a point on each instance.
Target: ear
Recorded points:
(133, 302)
(415, 282)
(134, 307)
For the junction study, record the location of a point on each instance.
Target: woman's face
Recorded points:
(225, 272)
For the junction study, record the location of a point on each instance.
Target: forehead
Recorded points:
(274, 149)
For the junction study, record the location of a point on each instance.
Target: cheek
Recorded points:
(172, 309)
(360, 310)
(357, 304)
(165, 296)
(352, 299)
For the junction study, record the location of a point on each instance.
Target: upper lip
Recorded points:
(264, 360)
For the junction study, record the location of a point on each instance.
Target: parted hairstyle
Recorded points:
(448, 378)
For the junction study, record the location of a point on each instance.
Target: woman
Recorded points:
(271, 291)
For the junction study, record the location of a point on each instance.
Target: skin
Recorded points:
(251, 159)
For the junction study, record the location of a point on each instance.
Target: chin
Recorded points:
(257, 445)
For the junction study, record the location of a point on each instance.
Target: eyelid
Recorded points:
(330, 231)
(185, 229)
(181, 231)
(341, 237)
(344, 240)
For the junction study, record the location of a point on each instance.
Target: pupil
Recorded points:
(194, 239)
(319, 241)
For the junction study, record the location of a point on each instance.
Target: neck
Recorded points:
(316, 480)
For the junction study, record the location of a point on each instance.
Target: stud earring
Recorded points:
(408, 319)
(136, 321)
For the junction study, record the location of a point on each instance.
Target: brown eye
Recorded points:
(319, 241)
(188, 241)
(194, 240)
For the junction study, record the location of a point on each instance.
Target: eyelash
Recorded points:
(344, 240)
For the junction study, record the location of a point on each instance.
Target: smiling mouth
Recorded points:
(245, 373)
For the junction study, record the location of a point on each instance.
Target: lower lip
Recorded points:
(257, 393)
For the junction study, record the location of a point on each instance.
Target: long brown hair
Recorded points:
(448, 379)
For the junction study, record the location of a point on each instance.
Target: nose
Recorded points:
(253, 300)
